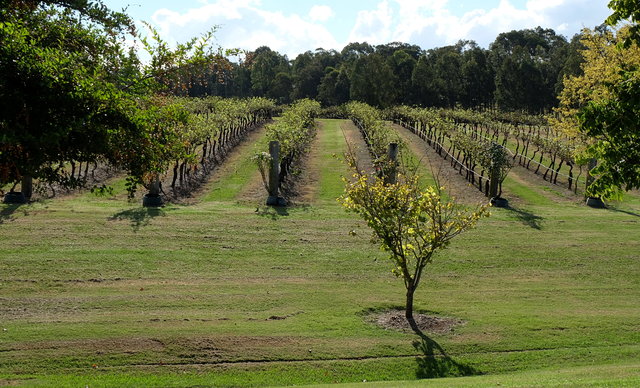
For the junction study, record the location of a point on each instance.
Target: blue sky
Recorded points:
(295, 26)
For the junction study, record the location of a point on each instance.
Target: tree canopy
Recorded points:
(611, 119)
(70, 90)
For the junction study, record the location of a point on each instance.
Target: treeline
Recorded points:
(521, 70)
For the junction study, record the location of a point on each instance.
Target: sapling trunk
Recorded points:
(408, 311)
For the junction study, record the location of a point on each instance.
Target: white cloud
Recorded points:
(292, 35)
(373, 26)
(431, 23)
(321, 13)
(245, 25)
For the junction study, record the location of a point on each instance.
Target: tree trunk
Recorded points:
(408, 310)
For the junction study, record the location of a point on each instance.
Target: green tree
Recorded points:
(61, 87)
(70, 92)
(613, 126)
(447, 65)
(402, 65)
(422, 81)
(265, 65)
(372, 81)
(626, 10)
(478, 77)
(281, 88)
(308, 71)
(608, 101)
(527, 63)
(327, 90)
(410, 223)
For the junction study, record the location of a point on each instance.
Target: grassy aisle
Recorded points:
(333, 146)
(237, 171)
(105, 293)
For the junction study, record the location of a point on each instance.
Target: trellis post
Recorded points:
(153, 197)
(391, 176)
(274, 175)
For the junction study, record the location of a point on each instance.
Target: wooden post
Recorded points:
(594, 202)
(391, 176)
(274, 175)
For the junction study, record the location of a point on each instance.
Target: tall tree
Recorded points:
(402, 65)
(422, 81)
(527, 68)
(478, 78)
(447, 65)
(334, 88)
(281, 88)
(308, 71)
(61, 83)
(602, 106)
(265, 64)
(372, 81)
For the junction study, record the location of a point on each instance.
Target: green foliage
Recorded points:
(614, 127)
(376, 132)
(612, 123)
(265, 65)
(410, 223)
(599, 110)
(70, 92)
(372, 81)
(60, 99)
(294, 130)
(628, 10)
(527, 64)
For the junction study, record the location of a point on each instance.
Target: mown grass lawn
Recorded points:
(101, 292)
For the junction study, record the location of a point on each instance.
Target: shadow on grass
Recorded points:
(527, 218)
(139, 217)
(6, 214)
(434, 361)
(273, 212)
(624, 211)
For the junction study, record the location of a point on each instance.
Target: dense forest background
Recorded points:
(521, 70)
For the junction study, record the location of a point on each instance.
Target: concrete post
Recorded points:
(274, 175)
(153, 198)
(155, 187)
(494, 178)
(494, 184)
(27, 186)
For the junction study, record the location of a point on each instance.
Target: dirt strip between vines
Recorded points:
(230, 166)
(454, 183)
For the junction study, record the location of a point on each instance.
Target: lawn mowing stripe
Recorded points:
(333, 145)
(237, 171)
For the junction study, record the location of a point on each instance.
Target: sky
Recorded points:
(295, 26)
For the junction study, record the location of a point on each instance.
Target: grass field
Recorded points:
(226, 292)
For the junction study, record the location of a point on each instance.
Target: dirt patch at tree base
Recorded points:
(396, 320)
